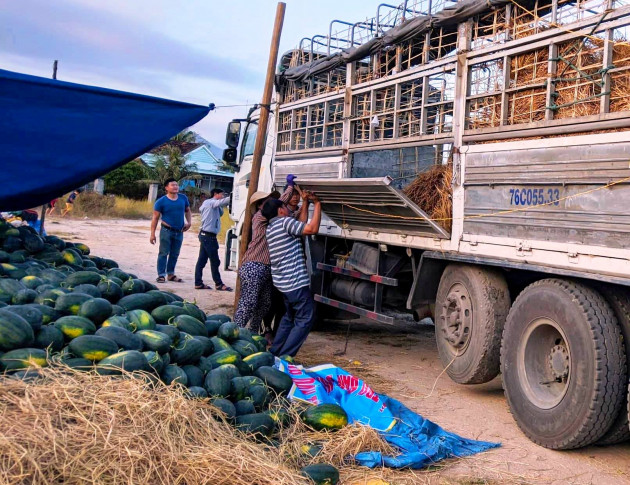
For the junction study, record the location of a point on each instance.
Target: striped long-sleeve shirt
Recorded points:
(288, 264)
(257, 250)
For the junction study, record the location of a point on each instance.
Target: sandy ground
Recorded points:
(399, 360)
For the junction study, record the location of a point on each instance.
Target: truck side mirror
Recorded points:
(233, 134)
(229, 156)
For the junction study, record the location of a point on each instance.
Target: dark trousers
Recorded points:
(255, 297)
(275, 313)
(170, 245)
(208, 249)
(296, 323)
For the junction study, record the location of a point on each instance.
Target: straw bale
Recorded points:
(432, 191)
(81, 428)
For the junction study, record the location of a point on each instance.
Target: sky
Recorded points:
(199, 51)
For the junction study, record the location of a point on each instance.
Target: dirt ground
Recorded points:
(399, 360)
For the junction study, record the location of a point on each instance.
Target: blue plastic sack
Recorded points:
(420, 441)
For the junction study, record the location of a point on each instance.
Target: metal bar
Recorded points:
(357, 274)
(604, 106)
(330, 26)
(378, 288)
(379, 317)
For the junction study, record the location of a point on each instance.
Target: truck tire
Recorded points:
(471, 306)
(619, 300)
(562, 359)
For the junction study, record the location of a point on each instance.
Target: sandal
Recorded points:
(203, 287)
(174, 278)
(160, 279)
(223, 288)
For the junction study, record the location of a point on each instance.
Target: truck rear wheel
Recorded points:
(619, 300)
(561, 360)
(471, 306)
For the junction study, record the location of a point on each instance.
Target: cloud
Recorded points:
(97, 40)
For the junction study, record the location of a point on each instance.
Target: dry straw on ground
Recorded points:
(80, 428)
(433, 193)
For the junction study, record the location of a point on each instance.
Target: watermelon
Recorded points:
(70, 303)
(49, 337)
(110, 290)
(127, 360)
(118, 310)
(259, 359)
(208, 346)
(31, 314)
(196, 392)
(15, 332)
(154, 340)
(93, 347)
(141, 319)
(277, 380)
(190, 325)
(163, 314)
(194, 311)
(33, 243)
(23, 358)
(173, 373)
(219, 317)
(224, 357)
(133, 286)
(31, 282)
(220, 344)
(140, 301)
(212, 326)
(244, 406)
(321, 474)
(83, 248)
(117, 321)
(24, 296)
(78, 363)
(49, 314)
(123, 337)
(244, 347)
(228, 331)
(155, 361)
(225, 406)
(325, 417)
(218, 380)
(87, 289)
(258, 395)
(194, 374)
(186, 351)
(71, 257)
(75, 326)
(169, 330)
(255, 423)
(83, 277)
(97, 309)
(261, 342)
(239, 386)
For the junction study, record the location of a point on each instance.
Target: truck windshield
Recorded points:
(249, 140)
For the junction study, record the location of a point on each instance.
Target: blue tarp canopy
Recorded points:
(56, 136)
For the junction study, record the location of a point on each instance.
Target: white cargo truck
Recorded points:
(528, 102)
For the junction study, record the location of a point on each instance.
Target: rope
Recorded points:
(492, 214)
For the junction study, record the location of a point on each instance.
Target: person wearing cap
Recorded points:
(255, 269)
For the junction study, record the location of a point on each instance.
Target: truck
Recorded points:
(524, 104)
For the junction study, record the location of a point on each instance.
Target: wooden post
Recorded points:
(259, 147)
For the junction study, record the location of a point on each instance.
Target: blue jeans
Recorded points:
(170, 244)
(208, 249)
(296, 323)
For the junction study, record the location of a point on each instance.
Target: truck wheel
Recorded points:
(562, 359)
(470, 310)
(619, 300)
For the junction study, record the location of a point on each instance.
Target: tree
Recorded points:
(188, 136)
(128, 180)
(170, 163)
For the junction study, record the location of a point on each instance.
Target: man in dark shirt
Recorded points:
(70, 202)
(172, 208)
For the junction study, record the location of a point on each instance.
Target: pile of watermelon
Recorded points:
(59, 303)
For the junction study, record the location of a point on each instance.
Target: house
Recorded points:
(212, 170)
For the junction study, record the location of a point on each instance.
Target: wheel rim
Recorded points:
(456, 314)
(544, 363)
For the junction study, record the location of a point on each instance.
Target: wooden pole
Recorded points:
(42, 217)
(259, 147)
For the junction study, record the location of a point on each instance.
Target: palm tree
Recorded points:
(187, 136)
(170, 163)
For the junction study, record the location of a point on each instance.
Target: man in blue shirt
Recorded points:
(211, 211)
(172, 208)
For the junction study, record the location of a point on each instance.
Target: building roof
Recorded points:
(184, 146)
(207, 162)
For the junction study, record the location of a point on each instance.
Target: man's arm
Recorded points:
(154, 222)
(312, 227)
(188, 215)
(287, 194)
(303, 214)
